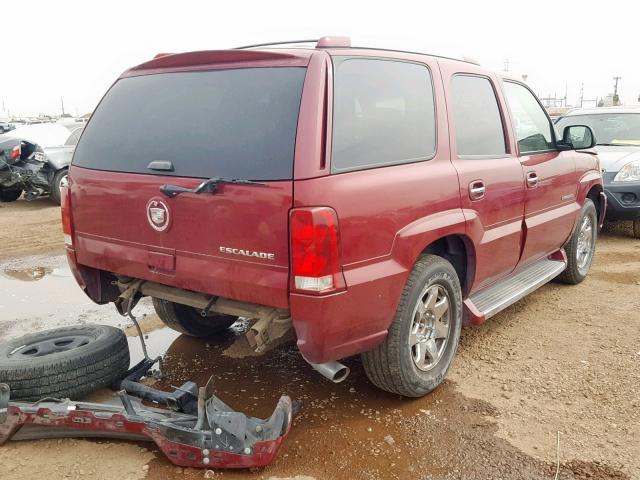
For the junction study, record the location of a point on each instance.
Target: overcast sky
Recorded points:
(75, 49)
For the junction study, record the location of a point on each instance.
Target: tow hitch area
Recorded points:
(203, 433)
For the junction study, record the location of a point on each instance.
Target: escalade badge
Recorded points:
(158, 215)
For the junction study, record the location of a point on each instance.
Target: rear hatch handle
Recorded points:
(208, 186)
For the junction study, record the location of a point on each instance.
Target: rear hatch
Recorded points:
(181, 128)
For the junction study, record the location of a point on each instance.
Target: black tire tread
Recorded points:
(187, 320)
(70, 376)
(571, 275)
(10, 194)
(380, 364)
(54, 191)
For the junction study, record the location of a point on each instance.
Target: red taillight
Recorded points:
(315, 250)
(67, 225)
(16, 152)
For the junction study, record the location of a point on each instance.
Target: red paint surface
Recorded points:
(181, 454)
(387, 216)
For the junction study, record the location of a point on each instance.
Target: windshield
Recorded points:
(609, 128)
(237, 123)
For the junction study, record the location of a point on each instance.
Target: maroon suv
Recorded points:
(372, 200)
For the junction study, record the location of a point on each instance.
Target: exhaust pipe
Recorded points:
(334, 371)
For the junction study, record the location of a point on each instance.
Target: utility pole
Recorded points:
(616, 99)
(581, 93)
(615, 86)
(62, 104)
(506, 64)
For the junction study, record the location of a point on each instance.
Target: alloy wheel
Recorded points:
(431, 327)
(586, 241)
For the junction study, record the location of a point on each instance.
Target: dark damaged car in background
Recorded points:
(34, 160)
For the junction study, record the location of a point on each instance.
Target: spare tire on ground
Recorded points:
(66, 362)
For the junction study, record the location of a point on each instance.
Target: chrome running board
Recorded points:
(499, 296)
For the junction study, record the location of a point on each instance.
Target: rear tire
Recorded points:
(59, 180)
(187, 320)
(395, 365)
(581, 246)
(66, 362)
(10, 194)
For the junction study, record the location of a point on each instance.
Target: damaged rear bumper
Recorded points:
(217, 437)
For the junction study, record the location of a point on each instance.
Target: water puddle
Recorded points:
(29, 275)
(40, 292)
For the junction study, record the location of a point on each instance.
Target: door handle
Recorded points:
(477, 190)
(532, 179)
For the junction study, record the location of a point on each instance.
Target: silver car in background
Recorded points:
(617, 131)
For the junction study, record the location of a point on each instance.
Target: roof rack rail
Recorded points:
(345, 42)
(324, 42)
(276, 43)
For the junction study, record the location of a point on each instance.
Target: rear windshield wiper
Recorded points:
(208, 186)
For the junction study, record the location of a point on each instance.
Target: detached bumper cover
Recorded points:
(221, 438)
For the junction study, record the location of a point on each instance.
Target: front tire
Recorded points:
(10, 194)
(187, 320)
(423, 337)
(60, 181)
(581, 246)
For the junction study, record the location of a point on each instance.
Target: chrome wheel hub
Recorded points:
(430, 327)
(64, 182)
(584, 250)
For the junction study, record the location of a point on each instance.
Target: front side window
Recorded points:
(478, 124)
(532, 126)
(383, 113)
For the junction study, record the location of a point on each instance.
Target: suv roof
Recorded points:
(334, 45)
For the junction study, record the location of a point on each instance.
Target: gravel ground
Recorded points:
(564, 363)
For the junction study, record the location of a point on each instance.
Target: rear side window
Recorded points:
(532, 126)
(229, 123)
(383, 113)
(478, 124)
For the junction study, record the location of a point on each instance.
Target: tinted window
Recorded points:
(228, 123)
(533, 129)
(383, 113)
(478, 124)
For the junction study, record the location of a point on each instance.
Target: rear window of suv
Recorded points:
(237, 123)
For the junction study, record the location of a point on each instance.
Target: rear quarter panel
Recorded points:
(387, 217)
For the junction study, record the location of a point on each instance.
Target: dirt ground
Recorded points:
(556, 376)
(30, 227)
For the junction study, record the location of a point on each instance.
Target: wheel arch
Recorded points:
(443, 234)
(595, 194)
(459, 251)
(590, 187)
